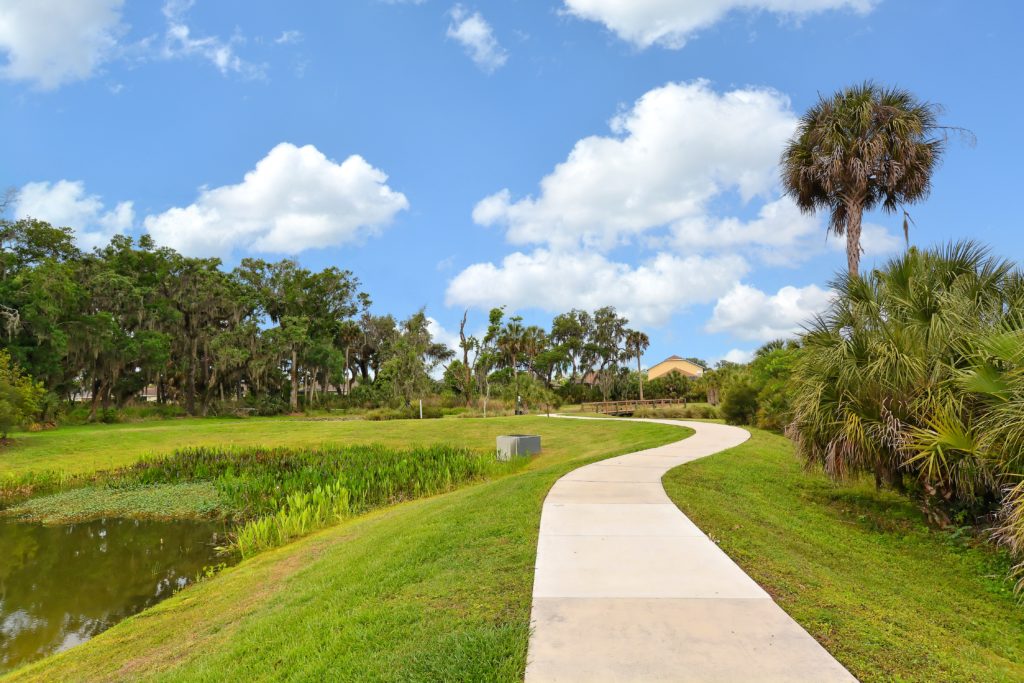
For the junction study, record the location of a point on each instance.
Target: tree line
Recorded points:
(101, 326)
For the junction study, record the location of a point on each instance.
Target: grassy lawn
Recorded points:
(860, 570)
(97, 447)
(434, 589)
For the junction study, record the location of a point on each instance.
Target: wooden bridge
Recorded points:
(629, 407)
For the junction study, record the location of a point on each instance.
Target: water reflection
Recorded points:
(61, 585)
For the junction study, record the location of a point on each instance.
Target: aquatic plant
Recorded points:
(285, 493)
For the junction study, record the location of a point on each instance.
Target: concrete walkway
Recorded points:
(627, 588)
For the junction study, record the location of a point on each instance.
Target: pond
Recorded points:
(61, 585)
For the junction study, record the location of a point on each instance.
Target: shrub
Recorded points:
(406, 413)
(918, 369)
(678, 412)
(20, 396)
(739, 403)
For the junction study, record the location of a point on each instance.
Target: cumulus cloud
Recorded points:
(778, 227)
(477, 37)
(748, 313)
(675, 150)
(649, 294)
(670, 23)
(780, 235)
(653, 189)
(294, 199)
(66, 204)
(53, 42)
(738, 356)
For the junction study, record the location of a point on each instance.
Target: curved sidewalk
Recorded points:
(627, 588)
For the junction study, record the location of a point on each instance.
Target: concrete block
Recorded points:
(512, 445)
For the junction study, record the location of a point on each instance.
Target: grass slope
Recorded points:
(434, 589)
(89, 448)
(860, 570)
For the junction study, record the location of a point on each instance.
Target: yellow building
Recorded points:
(685, 367)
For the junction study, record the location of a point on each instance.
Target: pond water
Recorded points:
(61, 585)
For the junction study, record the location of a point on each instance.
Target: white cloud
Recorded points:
(780, 235)
(477, 37)
(288, 37)
(440, 335)
(779, 227)
(748, 313)
(180, 42)
(679, 147)
(649, 294)
(66, 204)
(738, 356)
(875, 240)
(670, 23)
(294, 199)
(53, 42)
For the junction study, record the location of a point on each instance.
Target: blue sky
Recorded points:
(542, 154)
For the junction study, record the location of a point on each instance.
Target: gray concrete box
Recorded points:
(513, 445)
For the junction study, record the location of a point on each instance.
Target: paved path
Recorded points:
(627, 588)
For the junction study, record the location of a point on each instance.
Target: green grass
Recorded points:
(79, 450)
(162, 501)
(436, 589)
(860, 570)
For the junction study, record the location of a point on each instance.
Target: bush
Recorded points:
(20, 396)
(739, 404)
(680, 412)
(266, 405)
(405, 413)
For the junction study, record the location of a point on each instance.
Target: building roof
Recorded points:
(658, 369)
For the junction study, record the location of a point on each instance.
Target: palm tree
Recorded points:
(864, 147)
(511, 341)
(636, 343)
(915, 370)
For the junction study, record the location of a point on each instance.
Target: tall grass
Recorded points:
(300, 514)
(16, 488)
(699, 411)
(285, 493)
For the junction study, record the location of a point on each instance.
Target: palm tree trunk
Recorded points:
(854, 214)
(640, 374)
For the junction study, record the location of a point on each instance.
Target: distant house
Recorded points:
(681, 365)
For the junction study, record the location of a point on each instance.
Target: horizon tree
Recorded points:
(863, 147)
(636, 343)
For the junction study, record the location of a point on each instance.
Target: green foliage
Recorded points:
(670, 385)
(864, 147)
(739, 403)
(698, 411)
(758, 393)
(410, 412)
(301, 513)
(20, 396)
(166, 501)
(917, 373)
(257, 481)
(98, 328)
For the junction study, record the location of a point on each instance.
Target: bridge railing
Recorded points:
(622, 407)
